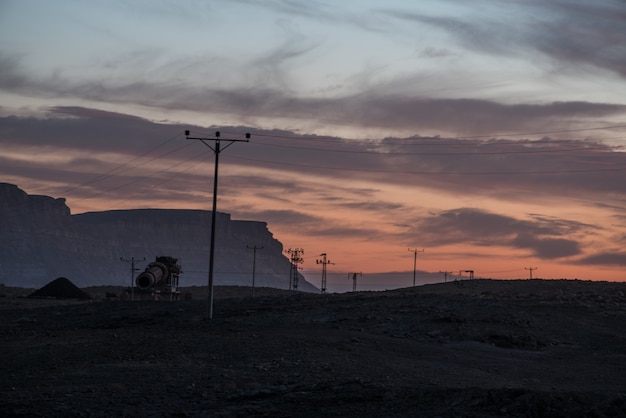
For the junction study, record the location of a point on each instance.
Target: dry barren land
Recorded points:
(479, 348)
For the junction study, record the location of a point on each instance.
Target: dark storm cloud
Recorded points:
(542, 236)
(568, 32)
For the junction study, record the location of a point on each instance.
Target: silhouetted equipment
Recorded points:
(161, 277)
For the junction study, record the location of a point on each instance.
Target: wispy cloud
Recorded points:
(569, 32)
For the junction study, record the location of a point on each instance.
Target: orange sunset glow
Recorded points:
(506, 158)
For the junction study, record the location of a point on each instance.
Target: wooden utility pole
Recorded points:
(530, 270)
(254, 248)
(217, 149)
(415, 262)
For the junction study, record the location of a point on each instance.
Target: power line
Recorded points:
(113, 170)
(313, 137)
(446, 154)
(545, 132)
(598, 170)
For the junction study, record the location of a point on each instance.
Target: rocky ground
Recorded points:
(479, 348)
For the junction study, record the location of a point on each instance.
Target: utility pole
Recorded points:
(471, 273)
(253, 248)
(323, 262)
(530, 269)
(353, 276)
(217, 149)
(296, 258)
(445, 275)
(132, 274)
(415, 262)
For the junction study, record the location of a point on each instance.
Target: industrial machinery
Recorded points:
(160, 278)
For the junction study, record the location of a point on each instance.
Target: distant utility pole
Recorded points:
(353, 276)
(445, 275)
(415, 262)
(132, 274)
(323, 262)
(253, 248)
(216, 150)
(471, 273)
(530, 269)
(296, 258)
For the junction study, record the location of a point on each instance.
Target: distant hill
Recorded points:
(40, 240)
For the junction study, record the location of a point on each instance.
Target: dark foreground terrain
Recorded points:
(475, 348)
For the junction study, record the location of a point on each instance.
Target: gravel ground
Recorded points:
(475, 348)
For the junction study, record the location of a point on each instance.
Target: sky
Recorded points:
(489, 134)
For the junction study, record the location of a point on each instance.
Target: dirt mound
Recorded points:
(60, 288)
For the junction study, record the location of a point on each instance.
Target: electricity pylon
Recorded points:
(296, 258)
(324, 261)
(353, 276)
(217, 149)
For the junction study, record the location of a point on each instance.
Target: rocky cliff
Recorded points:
(40, 240)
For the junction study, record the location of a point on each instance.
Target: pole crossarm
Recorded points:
(217, 139)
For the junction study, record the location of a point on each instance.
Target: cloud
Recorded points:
(567, 32)
(265, 96)
(547, 248)
(123, 148)
(479, 227)
(287, 217)
(606, 258)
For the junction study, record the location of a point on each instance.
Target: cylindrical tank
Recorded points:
(154, 273)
